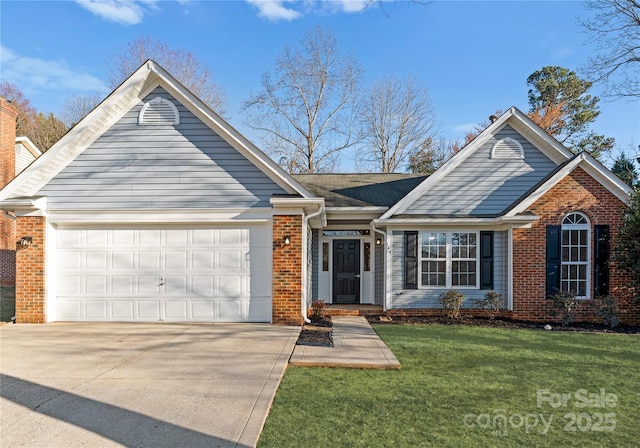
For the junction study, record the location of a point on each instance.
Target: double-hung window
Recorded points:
(574, 275)
(449, 259)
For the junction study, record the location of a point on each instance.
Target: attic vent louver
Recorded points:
(507, 148)
(159, 111)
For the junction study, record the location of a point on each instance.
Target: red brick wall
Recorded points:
(287, 270)
(30, 276)
(7, 173)
(578, 192)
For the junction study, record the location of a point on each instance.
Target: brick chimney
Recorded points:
(8, 116)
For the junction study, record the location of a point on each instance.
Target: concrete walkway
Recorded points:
(356, 346)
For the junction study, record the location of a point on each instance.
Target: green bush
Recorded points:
(451, 301)
(491, 303)
(318, 310)
(607, 309)
(563, 305)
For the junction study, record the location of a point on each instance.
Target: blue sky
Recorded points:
(474, 57)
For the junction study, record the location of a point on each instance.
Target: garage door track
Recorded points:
(139, 385)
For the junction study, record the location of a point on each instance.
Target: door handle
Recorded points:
(357, 275)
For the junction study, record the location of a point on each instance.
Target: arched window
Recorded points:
(575, 255)
(159, 111)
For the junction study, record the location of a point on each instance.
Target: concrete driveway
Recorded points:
(139, 385)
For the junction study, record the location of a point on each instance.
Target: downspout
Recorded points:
(384, 272)
(305, 265)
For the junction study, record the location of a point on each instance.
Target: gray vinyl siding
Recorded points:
(484, 186)
(428, 298)
(378, 275)
(159, 166)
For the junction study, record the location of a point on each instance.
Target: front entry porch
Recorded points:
(343, 309)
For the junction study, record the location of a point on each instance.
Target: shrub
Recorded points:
(451, 301)
(318, 310)
(563, 305)
(607, 309)
(491, 303)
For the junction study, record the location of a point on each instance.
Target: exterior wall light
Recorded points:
(287, 240)
(25, 241)
(378, 241)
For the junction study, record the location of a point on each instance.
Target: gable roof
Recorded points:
(149, 76)
(542, 141)
(360, 190)
(582, 160)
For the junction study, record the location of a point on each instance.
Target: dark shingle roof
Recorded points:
(360, 190)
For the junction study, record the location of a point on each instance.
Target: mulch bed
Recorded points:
(501, 323)
(317, 333)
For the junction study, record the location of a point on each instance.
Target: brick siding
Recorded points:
(577, 192)
(287, 270)
(7, 173)
(30, 278)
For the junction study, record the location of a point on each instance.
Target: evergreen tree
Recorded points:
(627, 254)
(625, 169)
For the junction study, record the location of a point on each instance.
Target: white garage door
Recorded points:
(164, 274)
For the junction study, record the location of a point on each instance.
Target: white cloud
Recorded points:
(350, 5)
(126, 12)
(274, 10)
(33, 75)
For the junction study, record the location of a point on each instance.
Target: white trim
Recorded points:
(585, 227)
(522, 221)
(31, 147)
(159, 100)
(448, 260)
(510, 269)
(195, 216)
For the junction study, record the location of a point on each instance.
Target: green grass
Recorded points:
(7, 303)
(449, 372)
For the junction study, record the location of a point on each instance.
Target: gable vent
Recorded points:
(507, 148)
(159, 111)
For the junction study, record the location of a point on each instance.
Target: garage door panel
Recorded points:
(176, 310)
(175, 259)
(96, 285)
(164, 273)
(70, 285)
(148, 309)
(122, 260)
(202, 260)
(122, 285)
(95, 309)
(122, 309)
(149, 259)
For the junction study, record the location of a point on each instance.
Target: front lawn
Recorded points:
(468, 387)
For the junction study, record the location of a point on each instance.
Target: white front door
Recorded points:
(168, 273)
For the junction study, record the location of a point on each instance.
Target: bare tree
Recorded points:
(306, 114)
(77, 107)
(43, 130)
(182, 64)
(615, 31)
(396, 118)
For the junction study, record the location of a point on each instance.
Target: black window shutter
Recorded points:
(553, 259)
(486, 260)
(601, 260)
(410, 260)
